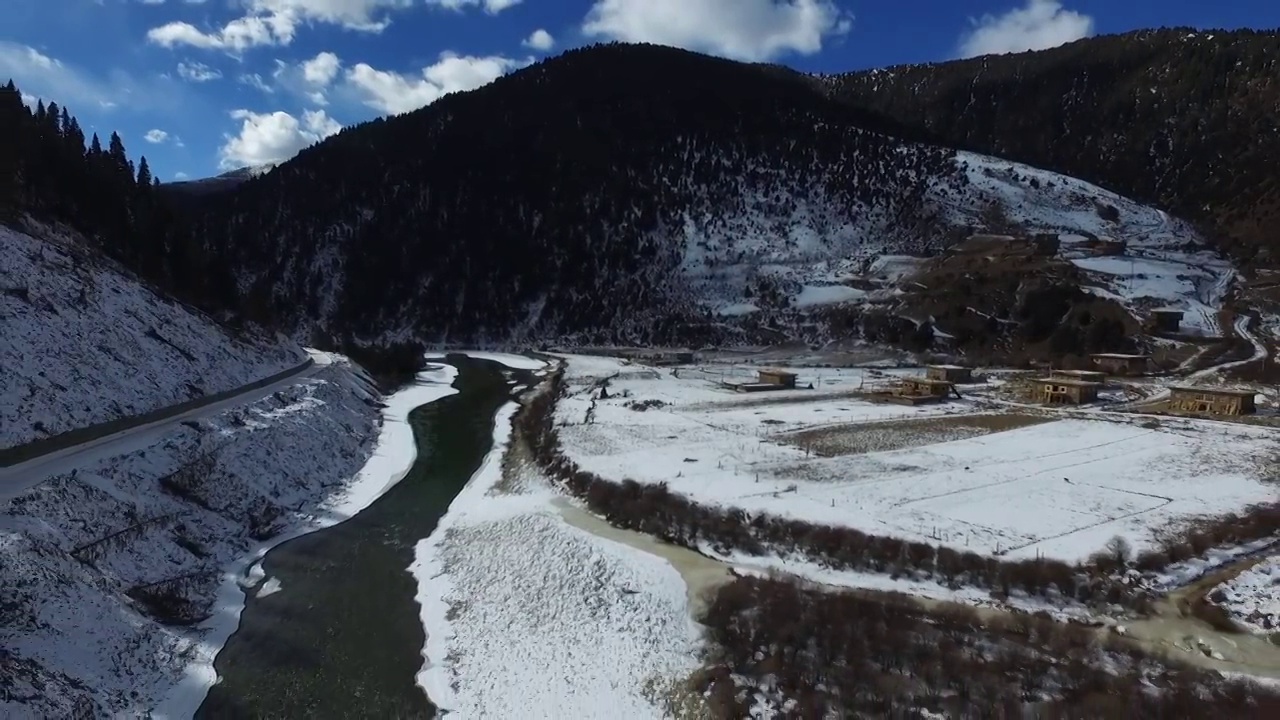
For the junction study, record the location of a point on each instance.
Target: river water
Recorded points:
(343, 636)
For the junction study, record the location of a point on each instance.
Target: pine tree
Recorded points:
(144, 174)
(12, 115)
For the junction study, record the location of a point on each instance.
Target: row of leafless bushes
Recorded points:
(655, 510)
(888, 657)
(1258, 522)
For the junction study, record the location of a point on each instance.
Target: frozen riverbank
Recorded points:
(528, 615)
(115, 578)
(339, 634)
(392, 457)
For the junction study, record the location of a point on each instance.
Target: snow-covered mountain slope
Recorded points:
(799, 251)
(84, 342)
(103, 570)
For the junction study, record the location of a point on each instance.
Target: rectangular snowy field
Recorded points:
(1060, 489)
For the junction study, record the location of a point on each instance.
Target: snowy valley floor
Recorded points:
(535, 608)
(529, 616)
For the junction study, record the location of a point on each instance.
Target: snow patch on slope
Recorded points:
(1253, 597)
(86, 342)
(1165, 262)
(797, 239)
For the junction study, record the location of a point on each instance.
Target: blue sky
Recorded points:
(202, 86)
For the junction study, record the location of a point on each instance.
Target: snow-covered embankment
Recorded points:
(120, 582)
(529, 616)
(393, 456)
(85, 342)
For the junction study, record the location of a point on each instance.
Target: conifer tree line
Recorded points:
(51, 171)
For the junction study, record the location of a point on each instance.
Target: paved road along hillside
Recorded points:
(25, 466)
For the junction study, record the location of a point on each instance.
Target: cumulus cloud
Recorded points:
(741, 29)
(540, 40)
(492, 7)
(321, 69)
(273, 137)
(275, 22)
(309, 79)
(393, 93)
(1039, 25)
(197, 72)
(156, 136)
(43, 76)
(236, 36)
(180, 176)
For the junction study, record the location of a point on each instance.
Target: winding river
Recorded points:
(342, 637)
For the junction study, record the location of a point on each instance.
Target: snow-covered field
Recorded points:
(1059, 489)
(181, 516)
(86, 342)
(527, 616)
(1253, 597)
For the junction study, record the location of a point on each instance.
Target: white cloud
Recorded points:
(1039, 25)
(236, 36)
(156, 136)
(273, 137)
(197, 72)
(321, 69)
(309, 79)
(540, 40)
(394, 93)
(46, 77)
(255, 81)
(275, 22)
(741, 29)
(180, 176)
(492, 7)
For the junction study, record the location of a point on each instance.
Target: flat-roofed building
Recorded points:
(1066, 391)
(1211, 401)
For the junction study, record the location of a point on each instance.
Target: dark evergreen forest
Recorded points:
(550, 203)
(1182, 119)
(553, 203)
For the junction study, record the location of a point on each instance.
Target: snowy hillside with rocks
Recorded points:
(118, 575)
(800, 253)
(85, 342)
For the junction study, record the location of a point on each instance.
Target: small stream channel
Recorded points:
(343, 637)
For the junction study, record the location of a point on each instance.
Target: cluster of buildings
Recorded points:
(1079, 387)
(1059, 387)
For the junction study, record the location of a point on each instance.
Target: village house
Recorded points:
(921, 390)
(767, 380)
(777, 377)
(957, 374)
(1121, 364)
(1165, 320)
(1066, 391)
(1211, 401)
(1085, 375)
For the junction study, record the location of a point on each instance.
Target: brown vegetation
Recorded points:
(655, 510)
(897, 434)
(889, 657)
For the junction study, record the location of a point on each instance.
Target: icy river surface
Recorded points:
(334, 631)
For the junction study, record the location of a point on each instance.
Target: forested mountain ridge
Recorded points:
(637, 194)
(560, 200)
(1183, 119)
(617, 193)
